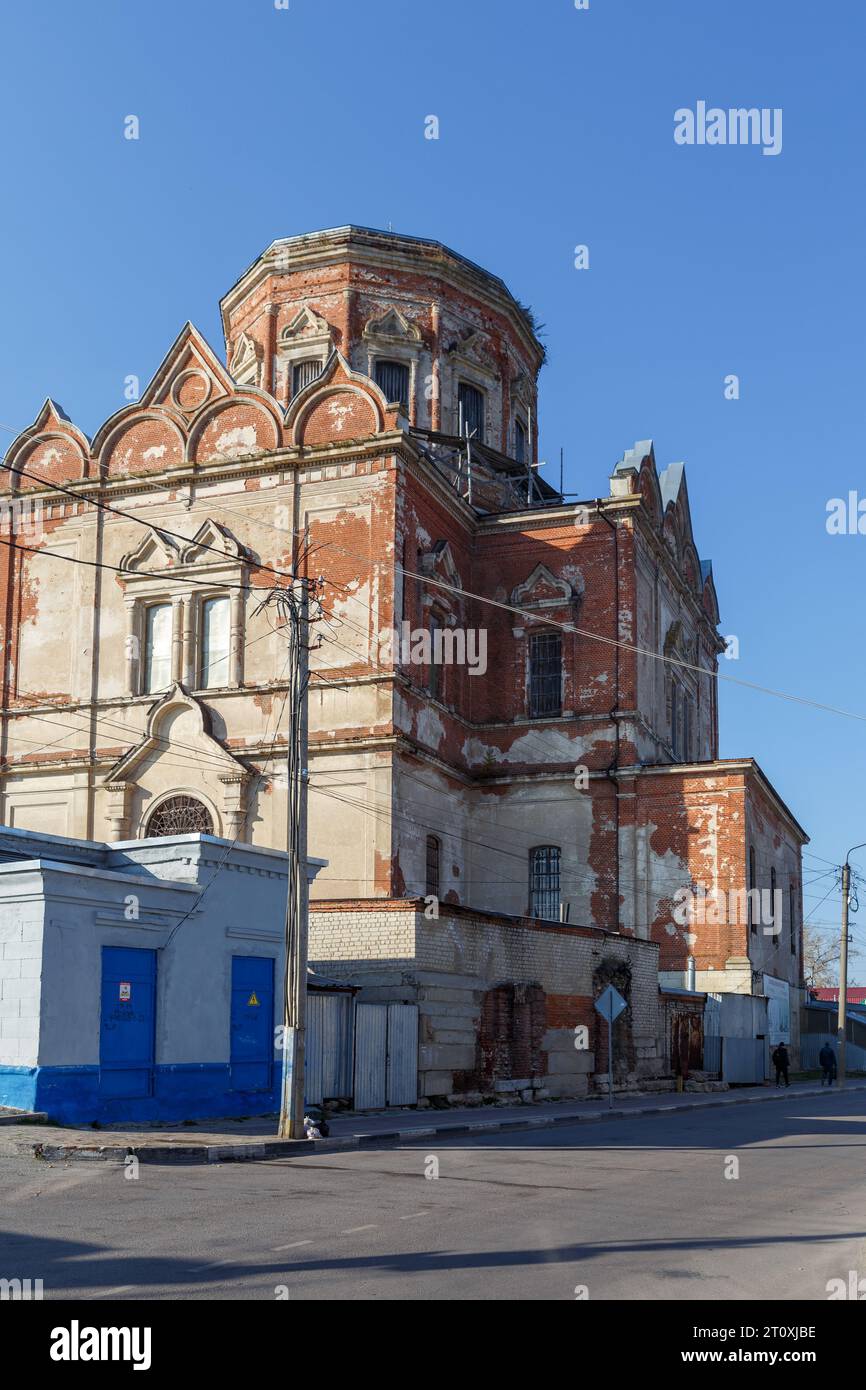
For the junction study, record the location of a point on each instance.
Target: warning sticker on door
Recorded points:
(253, 999)
(124, 991)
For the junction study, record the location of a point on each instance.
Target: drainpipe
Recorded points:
(690, 973)
(613, 768)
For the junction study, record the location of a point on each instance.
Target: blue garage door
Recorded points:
(252, 1025)
(127, 1024)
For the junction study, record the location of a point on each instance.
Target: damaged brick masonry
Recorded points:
(356, 362)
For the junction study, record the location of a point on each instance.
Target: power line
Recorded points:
(118, 569)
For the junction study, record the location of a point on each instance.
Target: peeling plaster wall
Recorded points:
(335, 471)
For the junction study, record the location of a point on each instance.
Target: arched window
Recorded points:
(179, 815)
(544, 889)
(434, 855)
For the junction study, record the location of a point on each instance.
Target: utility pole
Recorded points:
(841, 1035)
(293, 605)
(843, 974)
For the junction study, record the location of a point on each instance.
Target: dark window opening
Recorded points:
(752, 879)
(519, 442)
(434, 850)
(544, 885)
(304, 372)
(392, 378)
(792, 918)
(545, 675)
(776, 924)
(470, 405)
(434, 683)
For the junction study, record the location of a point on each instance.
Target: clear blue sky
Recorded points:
(556, 129)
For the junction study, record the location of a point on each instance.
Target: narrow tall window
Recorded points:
(752, 885)
(214, 669)
(792, 898)
(157, 647)
(545, 675)
(470, 405)
(435, 679)
(434, 852)
(777, 926)
(686, 750)
(544, 889)
(519, 441)
(393, 380)
(304, 372)
(675, 711)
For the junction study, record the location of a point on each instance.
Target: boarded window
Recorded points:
(304, 372)
(434, 851)
(470, 411)
(392, 378)
(544, 886)
(545, 675)
(214, 669)
(157, 647)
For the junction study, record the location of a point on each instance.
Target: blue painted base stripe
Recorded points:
(183, 1091)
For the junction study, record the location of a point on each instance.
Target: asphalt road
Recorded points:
(634, 1209)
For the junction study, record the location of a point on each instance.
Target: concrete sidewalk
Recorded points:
(222, 1141)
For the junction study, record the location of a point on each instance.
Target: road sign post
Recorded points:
(610, 1005)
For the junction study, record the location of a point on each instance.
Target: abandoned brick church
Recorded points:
(375, 413)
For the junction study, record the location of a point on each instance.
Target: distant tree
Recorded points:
(821, 958)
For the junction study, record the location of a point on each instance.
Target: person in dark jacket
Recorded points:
(827, 1058)
(781, 1061)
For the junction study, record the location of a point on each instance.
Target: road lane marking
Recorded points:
(413, 1214)
(353, 1230)
(293, 1246)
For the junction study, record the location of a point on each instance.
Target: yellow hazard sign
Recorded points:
(253, 999)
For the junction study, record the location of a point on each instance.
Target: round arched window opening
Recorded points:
(179, 815)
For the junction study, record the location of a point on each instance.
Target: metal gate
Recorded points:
(743, 1060)
(386, 1055)
(127, 1022)
(328, 1051)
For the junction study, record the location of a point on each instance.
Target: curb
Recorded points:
(263, 1150)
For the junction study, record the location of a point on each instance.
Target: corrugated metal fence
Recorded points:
(386, 1055)
(329, 1046)
(810, 1046)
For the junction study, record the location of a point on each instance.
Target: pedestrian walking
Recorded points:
(781, 1061)
(827, 1059)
